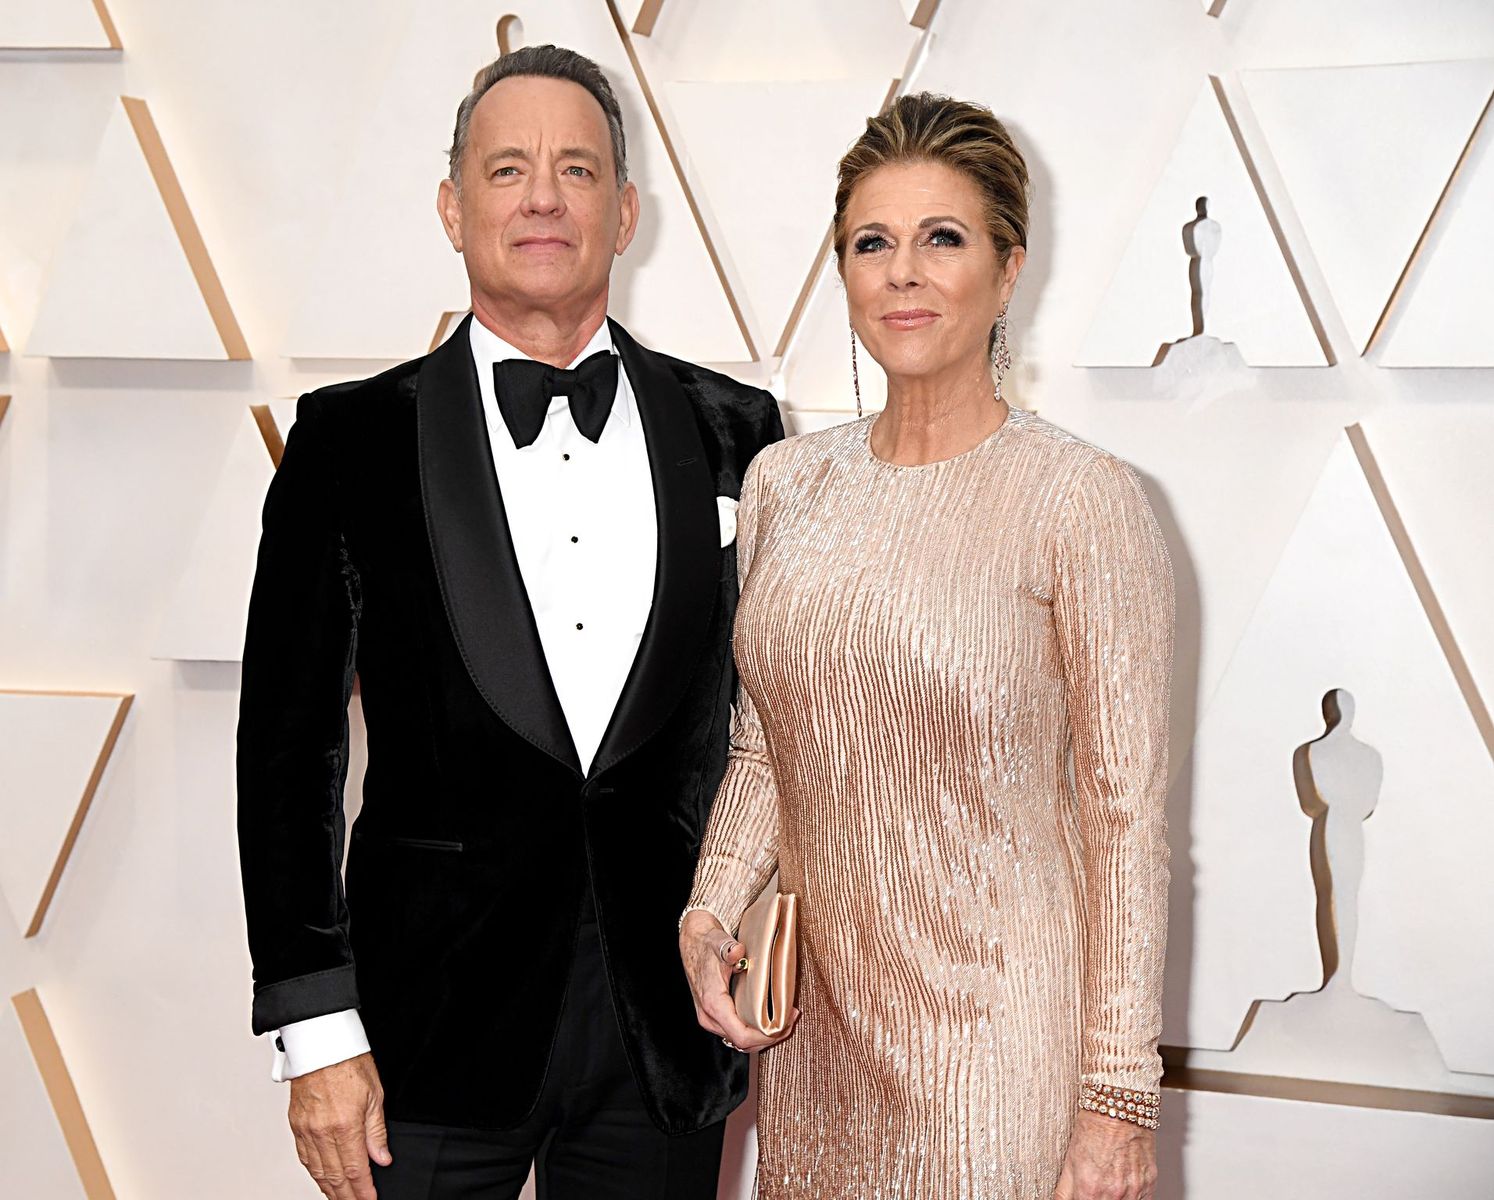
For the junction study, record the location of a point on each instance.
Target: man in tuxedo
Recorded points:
(522, 546)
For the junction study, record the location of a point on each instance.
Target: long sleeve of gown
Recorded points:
(1114, 612)
(740, 850)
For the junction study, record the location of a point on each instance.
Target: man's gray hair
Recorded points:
(544, 62)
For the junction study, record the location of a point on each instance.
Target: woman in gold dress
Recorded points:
(943, 606)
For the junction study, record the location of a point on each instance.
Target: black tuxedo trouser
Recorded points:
(589, 1136)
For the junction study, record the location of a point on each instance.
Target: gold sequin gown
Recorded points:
(917, 648)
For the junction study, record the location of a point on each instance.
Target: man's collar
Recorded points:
(488, 347)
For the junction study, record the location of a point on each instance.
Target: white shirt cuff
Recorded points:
(306, 1046)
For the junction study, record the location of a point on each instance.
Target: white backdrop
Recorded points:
(1348, 155)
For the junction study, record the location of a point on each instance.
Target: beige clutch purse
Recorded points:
(764, 991)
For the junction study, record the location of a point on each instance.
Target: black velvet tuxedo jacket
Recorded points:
(386, 552)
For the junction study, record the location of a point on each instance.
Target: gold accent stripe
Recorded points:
(679, 172)
(1441, 626)
(1321, 1091)
(268, 430)
(186, 227)
(1421, 241)
(923, 14)
(796, 314)
(1227, 107)
(4, 405)
(107, 22)
(643, 24)
(71, 837)
(63, 1095)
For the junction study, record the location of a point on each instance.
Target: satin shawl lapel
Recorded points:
(689, 565)
(481, 584)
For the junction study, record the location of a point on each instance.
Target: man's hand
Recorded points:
(337, 1117)
(1108, 1159)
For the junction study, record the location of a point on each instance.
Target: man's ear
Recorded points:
(449, 209)
(628, 226)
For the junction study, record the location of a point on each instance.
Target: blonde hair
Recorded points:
(924, 127)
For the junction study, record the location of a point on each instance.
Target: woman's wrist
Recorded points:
(705, 919)
(1124, 1104)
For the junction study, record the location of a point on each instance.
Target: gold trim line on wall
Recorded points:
(185, 225)
(66, 1106)
(106, 26)
(679, 171)
(85, 800)
(1422, 583)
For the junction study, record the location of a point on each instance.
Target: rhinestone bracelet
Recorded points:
(1140, 1108)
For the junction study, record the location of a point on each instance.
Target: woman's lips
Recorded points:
(910, 318)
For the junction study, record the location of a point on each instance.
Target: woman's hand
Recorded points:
(1108, 1159)
(710, 955)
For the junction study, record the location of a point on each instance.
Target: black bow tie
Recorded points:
(525, 389)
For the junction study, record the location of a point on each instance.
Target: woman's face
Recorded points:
(924, 282)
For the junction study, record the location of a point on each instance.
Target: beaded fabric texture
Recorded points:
(981, 940)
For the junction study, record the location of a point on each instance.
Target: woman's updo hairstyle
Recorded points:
(924, 127)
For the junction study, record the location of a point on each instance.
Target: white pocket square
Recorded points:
(726, 511)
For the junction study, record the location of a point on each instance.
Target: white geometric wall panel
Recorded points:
(817, 365)
(53, 750)
(1254, 303)
(777, 40)
(62, 1096)
(132, 278)
(283, 412)
(1365, 152)
(1443, 316)
(1340, 611)
(36, 1158)
(1214, 1146)
(56, 25)
(768, 224)
(205, 618)
(1435, 459)
(384, 238)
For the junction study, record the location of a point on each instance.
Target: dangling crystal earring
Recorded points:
(855, 373)
(1001, 354)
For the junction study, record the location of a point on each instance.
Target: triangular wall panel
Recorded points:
(1365, 152)
(1442, 314)
(54, 747)
(57, 25)
(386, 239)
(32, 1146)
(205, 618)
(37, 1073)
(1340, 611)
(817, 374)
(810, 124)
(132, 278)
(1255, 302)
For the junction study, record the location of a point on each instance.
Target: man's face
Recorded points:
(539, 216)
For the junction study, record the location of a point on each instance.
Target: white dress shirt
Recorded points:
(586, 536)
